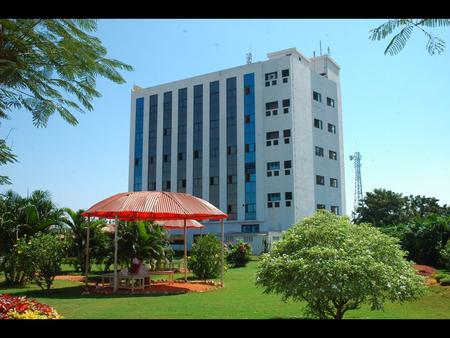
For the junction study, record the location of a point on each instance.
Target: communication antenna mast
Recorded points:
(249, 58)
(356, 157)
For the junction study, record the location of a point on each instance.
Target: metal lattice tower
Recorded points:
(356, 157)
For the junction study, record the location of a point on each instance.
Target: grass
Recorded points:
(239, 299)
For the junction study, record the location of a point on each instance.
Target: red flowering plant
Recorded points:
(13, 307)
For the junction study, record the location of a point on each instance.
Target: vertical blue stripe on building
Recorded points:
(167, 141)
(152, 132)
(214, 132)
(197, 173)
(138, 144)
(182, 124)
(250, 146)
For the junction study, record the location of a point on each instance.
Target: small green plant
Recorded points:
(239, 254)
(440, 275)
(445, 281)
(41, 257)
(205, 260)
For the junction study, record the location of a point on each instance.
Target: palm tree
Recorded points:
(23, 216)
(78, 227)
(398, 42)
(145, 241)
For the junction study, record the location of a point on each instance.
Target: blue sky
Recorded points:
(395, 109)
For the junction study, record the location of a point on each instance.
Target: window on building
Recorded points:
(273, 169)
(319, 151)
(330, 102)
(287, 133)
(181, 183)
(285, 80)
(331, 128)
(335, 209)
(271, 105)
(167, 131)
(317, 96)
(180, 156)
(214, 180)
(249, 147)
(166, 158)
(246, 90)
(197, 153)
(275, 142)
(267, 83)
(231, 150)
(332, 154)
(288, 195)
(248, 228)
(320, 206)
(286, 104)
(285, 72)
(231, 179)
(247, 118)
(288, 164)
(318, 123)
(274, 82)
(333, 182)
(136, 162)
(272, 135)
(271, 76)
(166, 185)
(272, 197)
(320, 180)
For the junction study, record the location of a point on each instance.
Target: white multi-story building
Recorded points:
(262, 142)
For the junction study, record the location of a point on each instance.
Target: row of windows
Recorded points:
(273, 199)
(319, 124)
(318, 97)
(273, 136)
(320, 180)
(272, 78)
(332, 155)
(333, 208)
(272, 107)
(273, 168)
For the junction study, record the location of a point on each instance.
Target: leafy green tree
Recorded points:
(6, 156)
(336, 266)
(51, 65)
(424, 237)
(444, 252)
(40, 256)
(398, 42)
(422, 206)
(19, 217)
(382, 208)
(205, 261)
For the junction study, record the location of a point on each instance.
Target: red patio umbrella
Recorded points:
(155, 206)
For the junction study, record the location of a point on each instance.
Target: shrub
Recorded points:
(12, 307)
(445, 281)
(440, 276)
(205, 259)
(336, 266)
(238, 254)
(41, 257)
(445, 255)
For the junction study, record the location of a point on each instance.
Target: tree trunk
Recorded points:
(339, 313)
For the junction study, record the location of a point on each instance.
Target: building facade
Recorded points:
(263, 142)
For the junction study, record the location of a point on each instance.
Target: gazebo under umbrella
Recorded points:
(154, 206)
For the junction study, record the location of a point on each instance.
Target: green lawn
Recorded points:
(239, 299)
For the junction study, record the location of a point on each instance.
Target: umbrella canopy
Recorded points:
(169, 225)
(154, 205)
(179, 224)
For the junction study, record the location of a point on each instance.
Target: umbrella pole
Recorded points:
(87, 251)
(185, 253)
(222, 253)
(115, 255)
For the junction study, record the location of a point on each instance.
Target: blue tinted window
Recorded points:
(249, 140)
(138, 144)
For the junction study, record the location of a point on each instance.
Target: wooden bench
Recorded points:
(169, 274)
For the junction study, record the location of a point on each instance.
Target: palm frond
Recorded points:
(398, 42)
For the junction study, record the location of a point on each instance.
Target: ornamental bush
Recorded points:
(205, 259)
(12, 307)
(336, 266)
(41, 257)
(239, 254)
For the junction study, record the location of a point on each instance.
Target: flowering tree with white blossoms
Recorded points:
(336, 266)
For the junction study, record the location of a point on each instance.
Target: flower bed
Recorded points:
(12, 307)
(424, 270)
